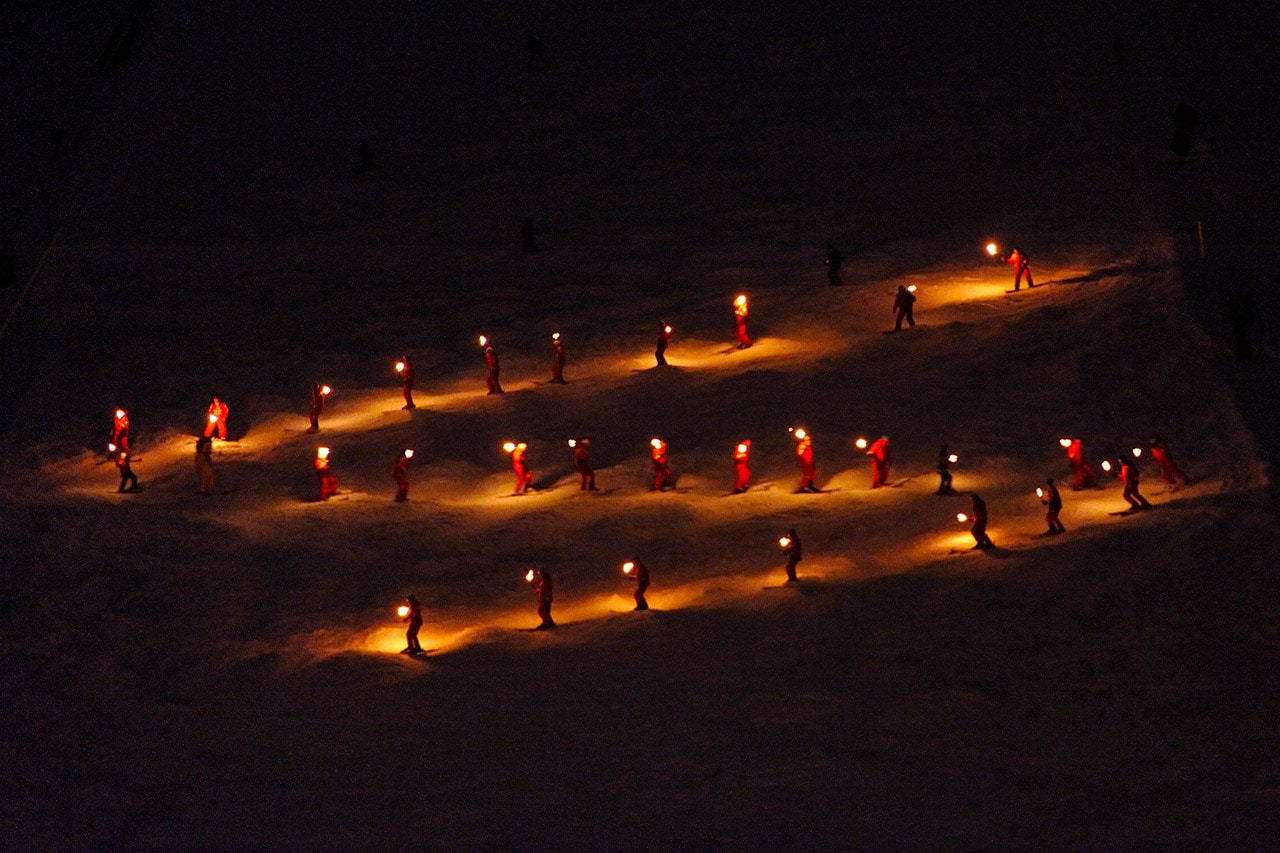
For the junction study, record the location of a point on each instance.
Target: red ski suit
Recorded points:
(400, 473)
(804, 454)
(1083, 470)
(1022, 266)
(120, 433)
(742, 466)
(661, 470)
(879, 453)
(1169, 470)
(524, 477)
(557, 362)
(544, 597)
(491, 380)
(582, 461)
(740, 317)
(217, 419)
(415, 622)
(328, 482)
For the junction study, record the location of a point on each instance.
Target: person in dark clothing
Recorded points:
(639, 573)
(582, 462)
(1169, 470)
(903, 306)
(1129, 476)
(664, 339)
(492, 379)
(979, 529)
(833, 262)
(558, 359)
(126, 473)
(318, 393)
(414, 618)
(544, 600)
(1053, 500)
(791, 547)
(944, 472)
(405, 368)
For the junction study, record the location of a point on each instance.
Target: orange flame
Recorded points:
(861, 444)
(992, 248)
(1106, 465)
(1065, 442)
(961, 517)
(322, 452)
(1137, 452)
(510, 446)
(953, 458)
(483, 340)
(657, 442)
(529, 576)
(402, 611)
(784, 541)
(1039, 493)
(399, 367)
(627, 567)
(326, 390)
(408, 453)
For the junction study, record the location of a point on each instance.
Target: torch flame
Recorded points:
(119, 413)
(509, 446)
(573, 442)
(801, 434)
(961, 517)
(1106, 465)
(1039, 493)
(784, 541)
(322, 452)
(483, 340)
(667, 329)
(111, 447)
(657, 442)
(529, 576)
(741, 300)
(1065, 442)
(742, 448)
(1137, 451)
(911, 288)
(325, 389)
(992, 249)
(627, 567)
(408, 453)
(555, 336)
(402, 610)
(399, 367)
(861, 444)
(213, 419)
(953, 458)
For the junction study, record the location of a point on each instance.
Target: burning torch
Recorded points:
(784, 542)
(993, 249)
(861, 444)
(484, 342)
(529, 576)
(402, 611)
(628, 567)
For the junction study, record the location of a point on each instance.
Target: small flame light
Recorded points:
(1065, 442)
(509, 446)
(784, 541)
(911, 288)
(111, 447)
(322, 452)
(555, 336)
(740, 301)
(326, 390)
(861, 444)
(573, 442)
(119, 413)
(800, 433)
(1106, 465)
(667, 329)
(213, 419)
(953, 458)
(657, 442)
(992, 248)
(742, 448)
(961, 517)
(1039, 493)
(1137, 452)
(627, 567)
(402, 611)
(408, 453)
(483, 340)
(529, 576)
(399, 367)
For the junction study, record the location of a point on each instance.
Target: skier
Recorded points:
(126, 473)
(1082, 469)
(491, 361)
(740, 320)
(524, 477)
(119, 433)
(557, 359)
(207, 482)
(804, 455)
(544, 600)
(400, 473)
(1053, 500)
(944, 472)
(405, 368)
(903, 306)
(879, 453)
(661, 470)
(833, 262)
(1129, 476)
(794, 555)
(979, 529)
(582, 462)
(1169, 470)
(1022, 266)
(664, 338)
(414, 618)
(218, 412)
(639, 573)
(318, 393)
(328, 482)
(742, 467)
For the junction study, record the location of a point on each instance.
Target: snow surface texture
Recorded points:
(220, 672)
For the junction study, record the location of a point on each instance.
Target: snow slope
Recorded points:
(220, 672)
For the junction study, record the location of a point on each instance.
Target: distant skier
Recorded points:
(661, 468)
(880, 461)
(119, 442)
(328, 482)
(537, 56)
(1022, 266)
(794, 554)
(582, 462)
(217, 419)
(664, 339)
(639, 573)
(400, 473)
(414, 618)
(405, 368)
(740, 322)
(1053, 500)
(804, 456)
(491, 379)
(903, 307)
(207, 481)
(126, 473)
(316, 406)
(557, 359)
(944, 472)
(979, 528)
(519, 464)
(528, 232)
(1129, 476)
(1169, 470)
(544, 600)
(834, 261)
(1082, 469)
(742, 467)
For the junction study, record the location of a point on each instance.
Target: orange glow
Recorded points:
(573, 442)
(1106, 465)
(322, 452)
(408, 453)
(667, 329)
(1039, 493)
(213, 419)
(741, 300)
(784, 541)
(402, 611)
(1065, 442)
(555, 336)
(529, 576)
(992, 248)
(483, 340)
(627, 567)
(657, 442)
(510, 446)
(1137, 451)
(800, 433)
(399, 367)
(861, 444)
(326, 390)
(953, 458)
(742, 448)
(961, 517)
(111, 447)
(119, 413)
(911, 288)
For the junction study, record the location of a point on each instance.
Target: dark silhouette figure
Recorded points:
(126, 473)
(558, 359)
(979, 529)
(1185, 117)
(794, 555)
(207, 481)
(1129, 476)
(1053, 500)
(527, 232)
(903, 307)
(1240, 315)
(365, 157)
(1117, 48)
(414, 618)
(316, 407)
(407, 377)
(8, 265)
(833, 262)
(400, 473)
(1079, 466)
(944, 472)
(537, 57)
(1169, 470)
(640, 575)
(664, 338)
(544, 600)
(582, 462)
(492, 377)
